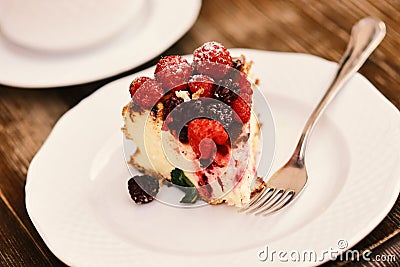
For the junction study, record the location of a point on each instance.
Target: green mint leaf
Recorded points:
(179, 178)
(191, 195)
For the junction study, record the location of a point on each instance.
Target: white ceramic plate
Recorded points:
(77, 198)
(158, 27)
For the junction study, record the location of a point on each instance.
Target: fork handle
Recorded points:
(365, 37)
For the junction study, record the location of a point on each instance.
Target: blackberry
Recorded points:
(199, 108)
(196, 108)
(143, 188)
(170, 103)
(220, 112)
(211, 109)
(177, 119)
(185, 112)
(154, 112)
(183, 135)
(227, 91)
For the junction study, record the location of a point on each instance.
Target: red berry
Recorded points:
(200, 129)
(173, 72)
(136, 83)
(204, 82)
(245, 85)
(145, 92)
(245, 89)
(247, 98)
(212, 59)
(242, 109)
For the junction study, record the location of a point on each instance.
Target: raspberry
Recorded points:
(143, 188)
(227, 91)
(173, 72)
(212, 59)
(247, 98)
(204, 82)
(200, 129)
(145, 92)
(246, 91)
(239, 79)
(244, 84)
(136, 83)
(242, 109)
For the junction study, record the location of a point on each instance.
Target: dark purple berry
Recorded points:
(143, 188)
(183, 135)
(170, 103)
(227, 91)
(220, 112)
(154, 112)
(201, 108)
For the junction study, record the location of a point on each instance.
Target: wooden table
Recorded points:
(315, 27)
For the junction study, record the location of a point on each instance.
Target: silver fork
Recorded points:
(287, 183)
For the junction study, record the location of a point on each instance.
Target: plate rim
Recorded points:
(105, 48)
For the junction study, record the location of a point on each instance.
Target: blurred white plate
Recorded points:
(160, 25)
(76, 192)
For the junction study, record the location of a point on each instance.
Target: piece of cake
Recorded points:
(193, 125)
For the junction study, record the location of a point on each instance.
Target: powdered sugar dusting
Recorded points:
(173, 72)
(212, 59)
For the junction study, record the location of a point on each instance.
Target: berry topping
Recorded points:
(241, 85)
(227, 91)
(246, 92)
(242, 109)
(170, 102)
(136, 83)
(247, 98)
(220, 112)
(200, 129)
(145, 92)
(212, 59)
(199, 108)
(143, 188)
(173, 72)
(201, 82)
(183, 135)
(244, 84)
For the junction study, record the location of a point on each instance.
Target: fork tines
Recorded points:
(268, 200)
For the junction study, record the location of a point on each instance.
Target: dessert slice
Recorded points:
(193, 125)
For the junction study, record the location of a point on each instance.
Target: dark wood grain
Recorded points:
(20, 245)
(314, 27)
